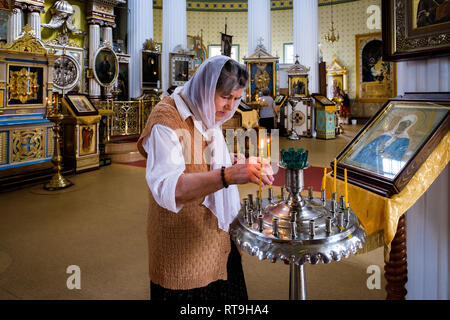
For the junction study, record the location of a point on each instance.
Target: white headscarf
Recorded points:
(199, 93)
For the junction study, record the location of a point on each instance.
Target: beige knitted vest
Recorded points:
(186, 249)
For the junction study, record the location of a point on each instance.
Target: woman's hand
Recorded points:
(242, 173)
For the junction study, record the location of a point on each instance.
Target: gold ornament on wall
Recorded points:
(23, 85)
(27, 145)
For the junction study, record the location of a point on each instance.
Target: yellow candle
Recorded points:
(324, 179)
(261, 149)
(334, 177)
(346, 189)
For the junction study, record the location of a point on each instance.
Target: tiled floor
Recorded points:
(99, 225)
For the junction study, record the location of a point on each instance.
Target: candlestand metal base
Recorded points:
(297, 284)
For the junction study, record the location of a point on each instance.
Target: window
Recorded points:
(214, 50)
(288, 52)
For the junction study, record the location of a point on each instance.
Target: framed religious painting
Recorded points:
(6, 5)
(392, 146)
(25, 85)
(151, 69)
(87, 140)
(337, 79)
(298, 86)
(80, 104)
(262, 76)
(414, 29)
(195, 44)
(106, 68)
(298, 80)
(181, 65)
(376, 79)
(226, 44)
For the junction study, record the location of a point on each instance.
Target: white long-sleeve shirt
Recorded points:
(165, 161)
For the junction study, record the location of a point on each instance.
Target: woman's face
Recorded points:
(225, 103)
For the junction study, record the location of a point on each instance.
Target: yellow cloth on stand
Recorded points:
(106, 112)
(379, 213)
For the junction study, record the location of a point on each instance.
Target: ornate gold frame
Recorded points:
(274, 77)
(44, 86)
(377, 35)
(401, 41)
(116, 65)
(336, 70)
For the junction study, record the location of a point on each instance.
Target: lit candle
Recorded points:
(324, 178)
(46, 107)
(268, 155)
(334, 178)
(261, 148)
(346, 189)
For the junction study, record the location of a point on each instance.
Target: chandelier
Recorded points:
(333, 35)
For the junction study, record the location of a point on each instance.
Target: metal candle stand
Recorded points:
(297, 230)
(293, 135)
(58, 181)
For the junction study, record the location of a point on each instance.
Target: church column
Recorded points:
(107, 34)
(306, 40)
(259, 25)
(140, 29)
(174, 33)
(94, 43)
(14, 25)
(34, 19)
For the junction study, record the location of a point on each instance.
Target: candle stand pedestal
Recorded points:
(298, 230)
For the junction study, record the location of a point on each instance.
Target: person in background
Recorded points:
(268, 111)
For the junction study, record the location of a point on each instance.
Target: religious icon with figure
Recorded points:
(80, 104)
(298, 86)
(376, 78)
(431, 12)
(261, 77)
(390, 144)
(181, 68)
(415, 29)
(6, 5)
(106, 67)
(87, 140)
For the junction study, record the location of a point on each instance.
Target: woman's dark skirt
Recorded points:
(233, 289)
(268, 123)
